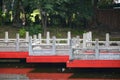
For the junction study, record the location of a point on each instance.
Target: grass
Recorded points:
(54, 31)
(11, 30)
(62, 32)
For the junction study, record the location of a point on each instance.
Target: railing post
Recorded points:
(73, 42)
(17, 42)
(6, 37)
(27, 37)
(54, 45)
(70, 50)
(97, 49)
(107, 40)
(40, 37)
(90, 35)
(77, 40)
(34, 38)
(68, 37)
(30, 46)
(84, 40)
(89, 38)
(48, 38)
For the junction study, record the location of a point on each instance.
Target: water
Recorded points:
(34, 71)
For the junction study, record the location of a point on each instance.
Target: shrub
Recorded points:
(34, 29)
(22, 32)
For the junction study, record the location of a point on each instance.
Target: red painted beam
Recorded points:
(13, 54)
(47, 59)
(94, 64)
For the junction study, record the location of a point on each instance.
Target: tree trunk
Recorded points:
(44, 22)
(69, 24)
(45, 26)
(95, 2)
(23, 13)
(16, 14)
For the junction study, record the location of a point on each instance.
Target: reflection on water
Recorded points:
(22, 71)
(25, 73)
(13, 77)
(30, 76)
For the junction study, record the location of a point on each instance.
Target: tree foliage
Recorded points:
(64, 13)
(105, 3)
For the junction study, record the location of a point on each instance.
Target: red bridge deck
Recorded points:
(94, 64)
(13, 54)
(62, 59)
(47, 59)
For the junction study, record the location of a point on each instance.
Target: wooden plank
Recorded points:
(47, 59)
(13, 54)
(94, 64)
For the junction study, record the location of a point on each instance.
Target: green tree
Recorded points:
(1, 1)
(16, 13)
(0, 12)
(70, 13)
(105, 4)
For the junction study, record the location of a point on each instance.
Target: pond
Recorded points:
(47, 71)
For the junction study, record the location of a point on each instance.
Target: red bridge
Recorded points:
(75, 52)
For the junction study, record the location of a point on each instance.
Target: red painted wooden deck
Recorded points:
(13, 54)
(62, 59)
(48, 59)
(94, 64)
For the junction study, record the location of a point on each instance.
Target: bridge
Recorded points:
(79, 52)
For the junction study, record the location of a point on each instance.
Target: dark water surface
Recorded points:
(16, 70)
